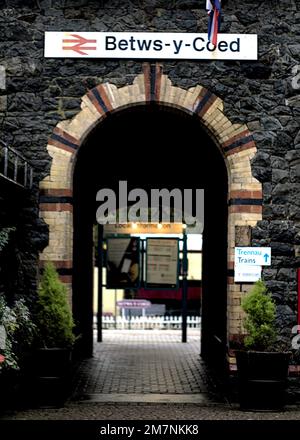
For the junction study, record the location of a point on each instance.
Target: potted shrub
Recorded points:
(55, 339)
(263, 363)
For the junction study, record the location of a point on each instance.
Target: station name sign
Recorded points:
(149, 45)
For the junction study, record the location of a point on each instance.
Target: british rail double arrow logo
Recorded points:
(77, 43)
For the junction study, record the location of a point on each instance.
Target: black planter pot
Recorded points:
(262, 380)
(52, 376)
(9, 388)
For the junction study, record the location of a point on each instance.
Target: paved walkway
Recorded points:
(146, 375)
(144, 366)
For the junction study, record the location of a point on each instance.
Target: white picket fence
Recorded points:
(148, 322)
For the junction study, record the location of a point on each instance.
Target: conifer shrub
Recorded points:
(260, 318)
(54, 318)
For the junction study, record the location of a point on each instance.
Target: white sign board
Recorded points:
(248, 274)
(133, 304)
(253, 256)
(162, 262)
(149, 45)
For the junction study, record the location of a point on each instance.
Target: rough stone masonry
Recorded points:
(36, 93)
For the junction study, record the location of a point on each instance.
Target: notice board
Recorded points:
(123, 263)
(162, 258)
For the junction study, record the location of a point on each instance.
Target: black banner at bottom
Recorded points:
(147, 429)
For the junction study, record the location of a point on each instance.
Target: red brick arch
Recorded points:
(234, 140)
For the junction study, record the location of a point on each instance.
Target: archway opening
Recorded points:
(153, 146)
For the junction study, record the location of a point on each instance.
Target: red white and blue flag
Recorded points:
(214, 11)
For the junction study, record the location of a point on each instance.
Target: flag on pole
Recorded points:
(214, 11)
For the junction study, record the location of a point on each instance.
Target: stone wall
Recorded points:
(39, 93)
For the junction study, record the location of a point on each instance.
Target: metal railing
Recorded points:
(14, 167)
(148, 322)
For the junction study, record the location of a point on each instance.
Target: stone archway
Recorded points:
(234, 140)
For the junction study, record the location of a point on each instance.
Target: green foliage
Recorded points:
(7, 328)
(260, 312)
(25, 331)
(16, 333)
(4, 237)
(54, 318)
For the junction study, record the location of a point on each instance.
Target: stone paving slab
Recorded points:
(202, 398)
